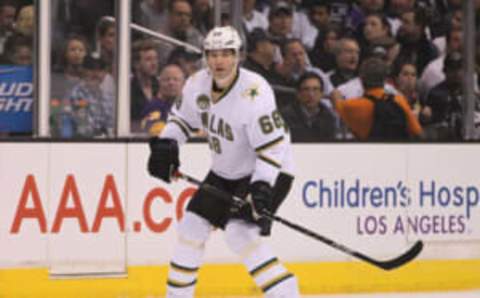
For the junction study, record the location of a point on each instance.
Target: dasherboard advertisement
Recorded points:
(93, 207)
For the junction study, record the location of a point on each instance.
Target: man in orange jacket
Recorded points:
(359, 113)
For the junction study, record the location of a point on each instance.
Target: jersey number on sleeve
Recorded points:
(269, 123)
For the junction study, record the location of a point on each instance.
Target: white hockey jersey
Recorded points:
(246, 133)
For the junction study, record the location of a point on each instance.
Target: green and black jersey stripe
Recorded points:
(183, 125)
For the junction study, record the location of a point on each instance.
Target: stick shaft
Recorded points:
(385, 265)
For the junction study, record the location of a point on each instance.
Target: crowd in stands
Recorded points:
(17, 21)
(310, 51)
(16, 32)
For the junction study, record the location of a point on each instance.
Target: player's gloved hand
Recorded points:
(163, 161)
(260, 199)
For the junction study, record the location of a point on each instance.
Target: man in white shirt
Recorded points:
(252, 18)
(433, 73)
(287, 22)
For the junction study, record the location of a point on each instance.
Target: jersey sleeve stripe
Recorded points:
(186, 123)
(270, 161)
(269, 144)
(182, 127)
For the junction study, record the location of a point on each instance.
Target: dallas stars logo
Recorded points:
(252, 92)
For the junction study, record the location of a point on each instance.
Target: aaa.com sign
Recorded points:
(78, 204)
(109, 206)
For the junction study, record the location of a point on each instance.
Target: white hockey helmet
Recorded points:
(220, 38)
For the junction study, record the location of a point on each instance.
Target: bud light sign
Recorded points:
(16, 98)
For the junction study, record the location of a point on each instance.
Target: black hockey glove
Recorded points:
(163, 161)
(261, 201)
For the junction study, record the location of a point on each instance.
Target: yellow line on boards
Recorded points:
(223, 280)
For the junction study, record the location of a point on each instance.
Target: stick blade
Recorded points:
(409, 255)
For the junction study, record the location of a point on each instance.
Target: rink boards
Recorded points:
(90, 210)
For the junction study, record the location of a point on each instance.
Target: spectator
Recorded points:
(448, 5)
(294, 65)
(61, 108)
(433, 73)
(365, 7)
(154, 115)
(153, 14)
(375, 28)
(387, 44)
(92, 113)
(179, 26)
(68, 69)
(414, 43)
(405, 81)
(8, 10)
(323, 53)
(67, 72)
(171, 81)
(398, 7)
(301, 27)
(347, 59)
(359, 113)
(372, 6)
(354, 88)
(203, 18)
(294, 62)
(144, 83)
(347, 53)
(453, 21)
(252, 18)
(225, 16)
(74, 52)
(18, 51)
(319, 14)
(25, 21)
(455, 18)
(190, 62)
(260, 55)
(340, 12)
(310, 117)
(280, 20)
(443, 109)
(395, 9)
(106, 43)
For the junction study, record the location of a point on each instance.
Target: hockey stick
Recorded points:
(385, 265)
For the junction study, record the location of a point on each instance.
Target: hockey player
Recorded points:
(251, 159)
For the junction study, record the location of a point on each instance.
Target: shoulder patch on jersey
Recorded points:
(203, 102)
(252, 92)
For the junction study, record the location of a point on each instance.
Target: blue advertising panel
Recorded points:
(16, 98)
